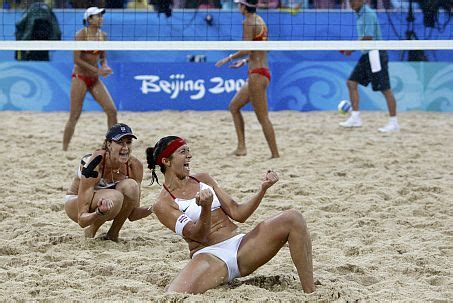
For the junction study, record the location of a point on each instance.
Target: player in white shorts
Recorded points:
(199, 210)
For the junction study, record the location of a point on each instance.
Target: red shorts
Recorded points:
(89, 81)
(263, 71)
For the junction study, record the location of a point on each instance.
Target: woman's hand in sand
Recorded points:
(269, 179)
(104, 205)
(204, 198)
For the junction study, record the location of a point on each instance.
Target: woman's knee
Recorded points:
(295, 219)
(129, 188)
(111, 113)
(73, 118)
(234, 108)
(71, 210)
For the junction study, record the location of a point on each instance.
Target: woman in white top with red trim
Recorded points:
(198, 209)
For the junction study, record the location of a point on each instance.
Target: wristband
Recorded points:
(230, 57)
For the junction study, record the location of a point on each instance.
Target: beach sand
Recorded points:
(378, 206)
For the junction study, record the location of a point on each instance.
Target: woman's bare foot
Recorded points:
(89, 232)
(240, 152)
(111, 237)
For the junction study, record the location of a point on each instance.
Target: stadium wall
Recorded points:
(151, 86)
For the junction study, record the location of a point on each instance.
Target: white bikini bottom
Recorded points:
(227, 251)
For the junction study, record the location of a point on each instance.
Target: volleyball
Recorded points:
(344, 106)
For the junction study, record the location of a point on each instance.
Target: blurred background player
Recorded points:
(255, 89)
(372, 67)
(85, 76)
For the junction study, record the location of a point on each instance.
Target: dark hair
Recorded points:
(249, 9)
(152, 153)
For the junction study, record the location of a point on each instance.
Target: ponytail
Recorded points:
(150, 160)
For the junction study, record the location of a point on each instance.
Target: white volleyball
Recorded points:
(344, 106)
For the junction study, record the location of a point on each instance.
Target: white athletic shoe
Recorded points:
(390, 127)
(352, 122)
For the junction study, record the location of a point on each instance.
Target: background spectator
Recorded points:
(269, 4)
(294, 4)
(37, 23)
(209, 4)
(87, 3)
(327, 4)
(140, 4)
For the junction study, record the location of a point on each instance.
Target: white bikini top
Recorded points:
(190, 207)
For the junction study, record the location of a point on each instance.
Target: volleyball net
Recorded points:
(293, 25)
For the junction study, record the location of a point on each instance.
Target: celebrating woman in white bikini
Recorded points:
(106, 186)
(196, 208)
(85, 76)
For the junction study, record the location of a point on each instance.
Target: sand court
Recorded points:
(378, 206)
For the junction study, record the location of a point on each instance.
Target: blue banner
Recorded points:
(301, 86)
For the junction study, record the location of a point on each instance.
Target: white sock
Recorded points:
(355, 114)
(393, 120)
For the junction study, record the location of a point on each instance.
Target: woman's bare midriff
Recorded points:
(91, 59)
(221, 229)
(258, 59)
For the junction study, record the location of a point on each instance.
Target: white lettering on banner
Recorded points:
(177, 84)
(226, 86)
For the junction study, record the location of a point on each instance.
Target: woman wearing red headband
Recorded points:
(255, 89)
(85, 76)
(198, 209)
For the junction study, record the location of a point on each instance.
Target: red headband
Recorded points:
(170, 149)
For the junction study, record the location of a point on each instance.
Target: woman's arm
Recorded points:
(240, 212)
(86, 192)
(137, 174)
(168, 213)
(247, 36)
(89, 178)
(105, 69)
(103, 55)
